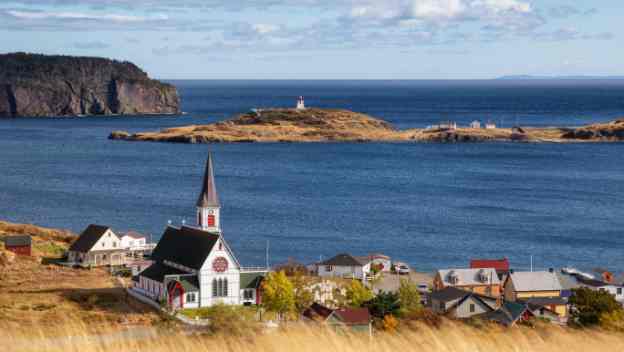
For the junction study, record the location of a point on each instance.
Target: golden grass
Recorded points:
(450, 337)
(35, 292)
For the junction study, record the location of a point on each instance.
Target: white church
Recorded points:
(194, 266)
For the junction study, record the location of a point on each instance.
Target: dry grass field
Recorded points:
(449, 337)
(35, 292)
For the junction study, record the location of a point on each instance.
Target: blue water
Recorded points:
(432, 205)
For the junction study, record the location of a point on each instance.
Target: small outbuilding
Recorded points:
(20, 245)
(343, 319)
(475, 124)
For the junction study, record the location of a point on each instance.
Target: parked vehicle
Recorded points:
(401, 268)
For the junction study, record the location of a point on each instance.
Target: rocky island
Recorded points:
(333, 125)
(33, 85)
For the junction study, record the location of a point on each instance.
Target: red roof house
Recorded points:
(501, 265)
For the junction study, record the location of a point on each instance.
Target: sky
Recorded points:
(327, 39)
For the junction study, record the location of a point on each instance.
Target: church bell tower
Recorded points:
(208, 207)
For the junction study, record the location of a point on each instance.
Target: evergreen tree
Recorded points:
(589, 306)
(409, 297)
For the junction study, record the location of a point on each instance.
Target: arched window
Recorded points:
(225, 288)
(215, 291)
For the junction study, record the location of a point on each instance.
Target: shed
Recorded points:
(20, 244)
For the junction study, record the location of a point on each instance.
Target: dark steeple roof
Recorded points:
(208, 196)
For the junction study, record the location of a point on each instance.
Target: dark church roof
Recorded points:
(208, 196)
(158, 271)
(88, 238)
(185, 246)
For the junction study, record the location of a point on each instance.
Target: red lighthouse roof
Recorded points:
(498, 264)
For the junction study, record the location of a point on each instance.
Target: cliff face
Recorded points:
(39, 85)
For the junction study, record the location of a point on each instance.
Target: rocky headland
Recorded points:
(332, 125)
(33, 85)
(278, 125)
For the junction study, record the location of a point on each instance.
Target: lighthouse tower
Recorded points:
(300, 103)
(208, 207)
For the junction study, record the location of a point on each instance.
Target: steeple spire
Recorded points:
(208, 207)
(208, 197)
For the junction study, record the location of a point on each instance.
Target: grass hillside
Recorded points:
(278, 125)
(36, 293)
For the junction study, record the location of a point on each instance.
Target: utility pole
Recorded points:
(531, 262)
(267, 255)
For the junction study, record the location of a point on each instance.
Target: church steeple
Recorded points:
(208, 206)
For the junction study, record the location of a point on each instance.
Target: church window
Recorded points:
(219, 288)
(248, 294)
(211, 220)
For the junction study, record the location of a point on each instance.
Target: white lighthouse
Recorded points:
(300, 103)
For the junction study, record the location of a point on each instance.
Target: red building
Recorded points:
(20, 245)
(500, 265)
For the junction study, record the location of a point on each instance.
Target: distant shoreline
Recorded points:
(334, 125)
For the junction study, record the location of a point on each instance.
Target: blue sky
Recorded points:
(321, 39)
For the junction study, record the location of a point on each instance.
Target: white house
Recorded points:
(475, 124)
(194, 266)
(357, 267)
(133, 239)
(614, 289)
(490, 125)
(97, 246)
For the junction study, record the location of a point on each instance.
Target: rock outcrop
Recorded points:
(278, 125)
(611, 131)
(33, 85)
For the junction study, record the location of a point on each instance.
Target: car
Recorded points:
(401, 268)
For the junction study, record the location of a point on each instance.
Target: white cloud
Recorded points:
(439, 10)
(43, 15)
(262, 28)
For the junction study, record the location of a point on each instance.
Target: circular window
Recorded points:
(220, 264)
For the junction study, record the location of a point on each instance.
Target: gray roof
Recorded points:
(567, 281)
(208, 196)
(16, 241)
(343, 259)
(449, 294)
(88, 238)
(469, 277)
(529, 281)
(544, 301)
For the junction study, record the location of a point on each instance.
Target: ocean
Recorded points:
(431, 205)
